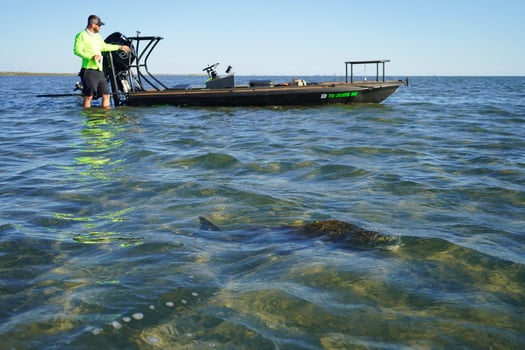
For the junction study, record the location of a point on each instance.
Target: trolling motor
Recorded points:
(215, 81)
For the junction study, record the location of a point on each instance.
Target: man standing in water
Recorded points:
(89, 46)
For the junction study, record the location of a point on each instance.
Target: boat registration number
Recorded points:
(340, 95)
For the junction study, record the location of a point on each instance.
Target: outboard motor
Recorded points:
(121, 59)
(117, 65)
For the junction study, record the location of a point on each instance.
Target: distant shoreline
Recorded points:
(73, 74)
(36, 74)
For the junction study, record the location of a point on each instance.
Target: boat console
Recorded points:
(215, 81)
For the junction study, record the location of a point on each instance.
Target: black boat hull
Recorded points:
(322, 94)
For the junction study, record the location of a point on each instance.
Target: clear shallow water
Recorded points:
(99, 233)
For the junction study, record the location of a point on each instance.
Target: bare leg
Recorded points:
(87, 101)
(105, 101)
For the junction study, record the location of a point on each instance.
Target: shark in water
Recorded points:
(329, 230)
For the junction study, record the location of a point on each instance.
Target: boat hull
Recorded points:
(311, 95)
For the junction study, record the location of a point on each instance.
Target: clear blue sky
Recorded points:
(279, 37)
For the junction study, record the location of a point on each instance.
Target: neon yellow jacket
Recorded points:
(89, 44)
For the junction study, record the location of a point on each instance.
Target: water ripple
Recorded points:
(100, 242)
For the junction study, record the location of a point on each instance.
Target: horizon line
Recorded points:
(30, 73)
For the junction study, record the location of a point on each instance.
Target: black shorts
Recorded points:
(94, 83)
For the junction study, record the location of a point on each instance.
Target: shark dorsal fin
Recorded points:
(207, 225)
